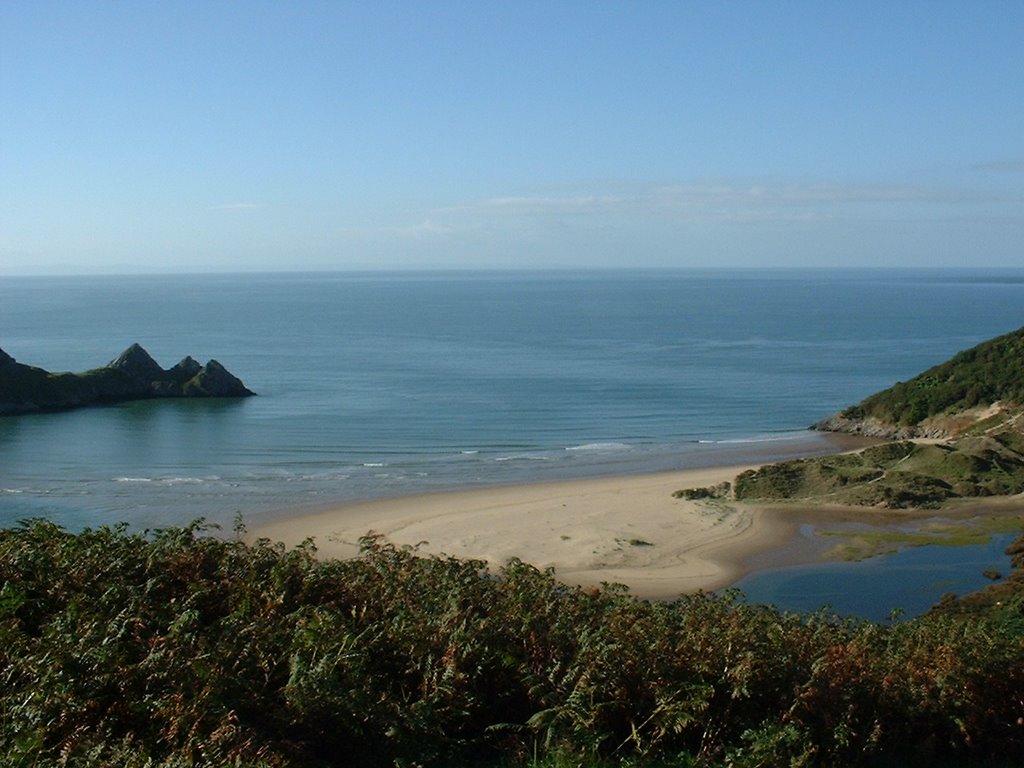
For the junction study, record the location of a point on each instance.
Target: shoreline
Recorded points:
(624, 529)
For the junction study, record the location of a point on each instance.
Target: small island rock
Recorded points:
(133, 375)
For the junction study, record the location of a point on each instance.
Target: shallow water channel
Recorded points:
(910, 580)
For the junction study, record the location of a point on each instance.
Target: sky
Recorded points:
(175, 136)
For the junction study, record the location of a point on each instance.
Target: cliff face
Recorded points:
(133, 375)
(873, 427)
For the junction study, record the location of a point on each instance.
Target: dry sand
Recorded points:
(627, 530)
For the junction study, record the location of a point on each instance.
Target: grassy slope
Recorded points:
(978, 396)
(895, 475)
(988, 373)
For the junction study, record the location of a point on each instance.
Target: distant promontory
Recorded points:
(958, 432)
(134, 375)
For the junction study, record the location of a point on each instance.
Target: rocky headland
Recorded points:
(133, 375)
(958, 432)
(978, 390)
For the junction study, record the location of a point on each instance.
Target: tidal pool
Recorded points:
(911, 580)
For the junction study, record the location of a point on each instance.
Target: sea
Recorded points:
(382, 384)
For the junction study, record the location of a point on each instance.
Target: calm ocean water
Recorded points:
(385, 384)
(376, 385)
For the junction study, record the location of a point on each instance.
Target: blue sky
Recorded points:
(226, 136)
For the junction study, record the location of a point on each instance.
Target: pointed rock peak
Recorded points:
(214, 380)
(133, 352)
(188, 365)
(136, 361)
(5, 359)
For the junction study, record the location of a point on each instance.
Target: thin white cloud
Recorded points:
(428, 227)
(526, 206)
(1003, 165)
(711, 200)
(237, 206)
(766, 218)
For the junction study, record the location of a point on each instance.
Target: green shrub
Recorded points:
(180, 649)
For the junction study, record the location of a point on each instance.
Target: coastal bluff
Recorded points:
(956, 432)
(133, 375)
(979, 390)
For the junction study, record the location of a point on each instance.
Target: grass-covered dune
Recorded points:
(894, 475)
(898, 475)
(178, 649)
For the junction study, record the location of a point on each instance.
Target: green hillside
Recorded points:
(974, 400)
(992, 372)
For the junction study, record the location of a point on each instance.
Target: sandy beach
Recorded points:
(628, 530)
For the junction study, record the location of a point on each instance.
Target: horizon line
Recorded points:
(540, 270)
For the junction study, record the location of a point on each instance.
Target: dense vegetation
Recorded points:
(895, 475)
(988, 373)
(179, 649)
